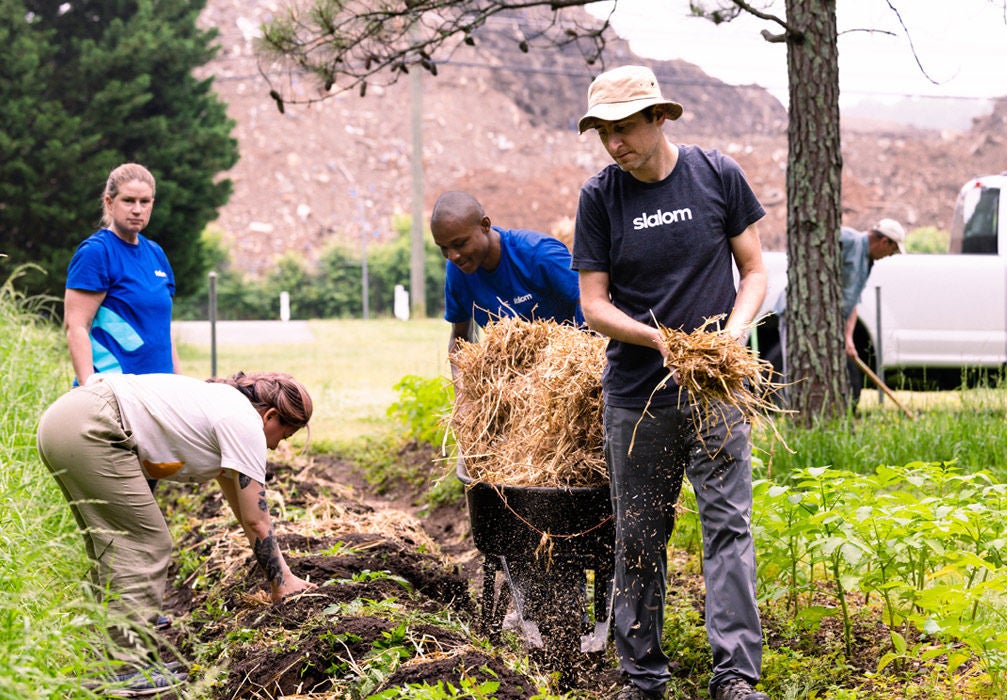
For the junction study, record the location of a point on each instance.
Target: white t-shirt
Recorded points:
(187, 429)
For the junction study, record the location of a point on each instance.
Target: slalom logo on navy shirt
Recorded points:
(661, 218)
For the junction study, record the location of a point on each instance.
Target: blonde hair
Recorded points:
(127, 172)
(277, 390)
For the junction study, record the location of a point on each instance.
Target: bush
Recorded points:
(330, 288)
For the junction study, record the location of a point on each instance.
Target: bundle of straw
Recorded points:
(719, 372)
(528, 405)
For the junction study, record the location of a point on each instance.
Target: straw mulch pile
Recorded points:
(719, 372)
(528, 405)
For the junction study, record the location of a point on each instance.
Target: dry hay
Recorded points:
(528, 405)
(323, 517)
(720, 373)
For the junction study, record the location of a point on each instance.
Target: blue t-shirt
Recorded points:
(131, 333)
(666, 248)
(533, 281)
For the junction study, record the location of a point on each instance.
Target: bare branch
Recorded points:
(912, 48)
(348, 44)
(764, 15)
(733, 8)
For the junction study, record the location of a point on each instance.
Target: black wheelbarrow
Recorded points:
(544, 540)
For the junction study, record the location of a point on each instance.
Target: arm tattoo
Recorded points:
(244, 481)
(267, 553)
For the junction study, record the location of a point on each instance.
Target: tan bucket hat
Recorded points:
(621, 92)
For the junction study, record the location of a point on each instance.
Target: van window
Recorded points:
(976, 220)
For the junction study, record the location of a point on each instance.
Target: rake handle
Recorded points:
(881, 385)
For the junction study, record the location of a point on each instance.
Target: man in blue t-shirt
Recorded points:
(656, 234)
(494, 272)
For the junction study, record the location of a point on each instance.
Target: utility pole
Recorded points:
(417, 276)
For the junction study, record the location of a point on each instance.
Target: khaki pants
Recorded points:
(82, 442)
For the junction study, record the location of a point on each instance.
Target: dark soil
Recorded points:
(309, 645)
(361, 549)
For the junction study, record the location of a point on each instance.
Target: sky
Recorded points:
(962, 45)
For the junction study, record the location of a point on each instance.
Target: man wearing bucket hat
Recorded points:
(656, 234)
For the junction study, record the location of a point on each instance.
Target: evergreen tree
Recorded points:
(90, 84)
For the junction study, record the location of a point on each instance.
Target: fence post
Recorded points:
(878, 368)
(213, 324)
(284, 306)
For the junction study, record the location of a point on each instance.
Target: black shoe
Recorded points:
(738, 689)
(138, 684)
(631, 691)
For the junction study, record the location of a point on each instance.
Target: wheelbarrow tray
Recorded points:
(510, 521)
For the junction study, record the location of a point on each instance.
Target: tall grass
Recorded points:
(49, 631)
(964, 427)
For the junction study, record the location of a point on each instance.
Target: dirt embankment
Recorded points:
(501, 125)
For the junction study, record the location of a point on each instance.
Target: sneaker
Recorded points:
(631, 691)
(738, 689)
(144, 683)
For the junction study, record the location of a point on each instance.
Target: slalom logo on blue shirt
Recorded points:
(160, 273)
(661, 218)
(522, 299)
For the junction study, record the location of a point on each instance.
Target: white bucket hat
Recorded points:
(621, 92)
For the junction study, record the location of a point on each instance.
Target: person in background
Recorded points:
(120, 286)
(860, 250)
(494, 272)
(656, 234)
(102, 441)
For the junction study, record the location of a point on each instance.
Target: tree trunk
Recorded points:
(815, 357)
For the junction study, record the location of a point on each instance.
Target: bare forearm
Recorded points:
(751, 293)
(267, 554)
(252, 511)
(603, 317)
(78, 341)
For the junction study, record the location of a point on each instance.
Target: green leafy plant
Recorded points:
(423, 407)
(467, 688)
(926, 539)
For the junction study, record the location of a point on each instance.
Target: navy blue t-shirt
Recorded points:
(533, 281)
(666, 248)
(131, 333)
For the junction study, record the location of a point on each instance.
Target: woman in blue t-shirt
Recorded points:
(119, 287)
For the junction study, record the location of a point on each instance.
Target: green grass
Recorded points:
(965, 427)
(49, 631)
(350, 369)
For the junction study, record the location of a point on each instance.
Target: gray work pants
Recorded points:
(82, 442)
(645, 487)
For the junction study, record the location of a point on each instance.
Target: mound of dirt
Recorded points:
(366, 553)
